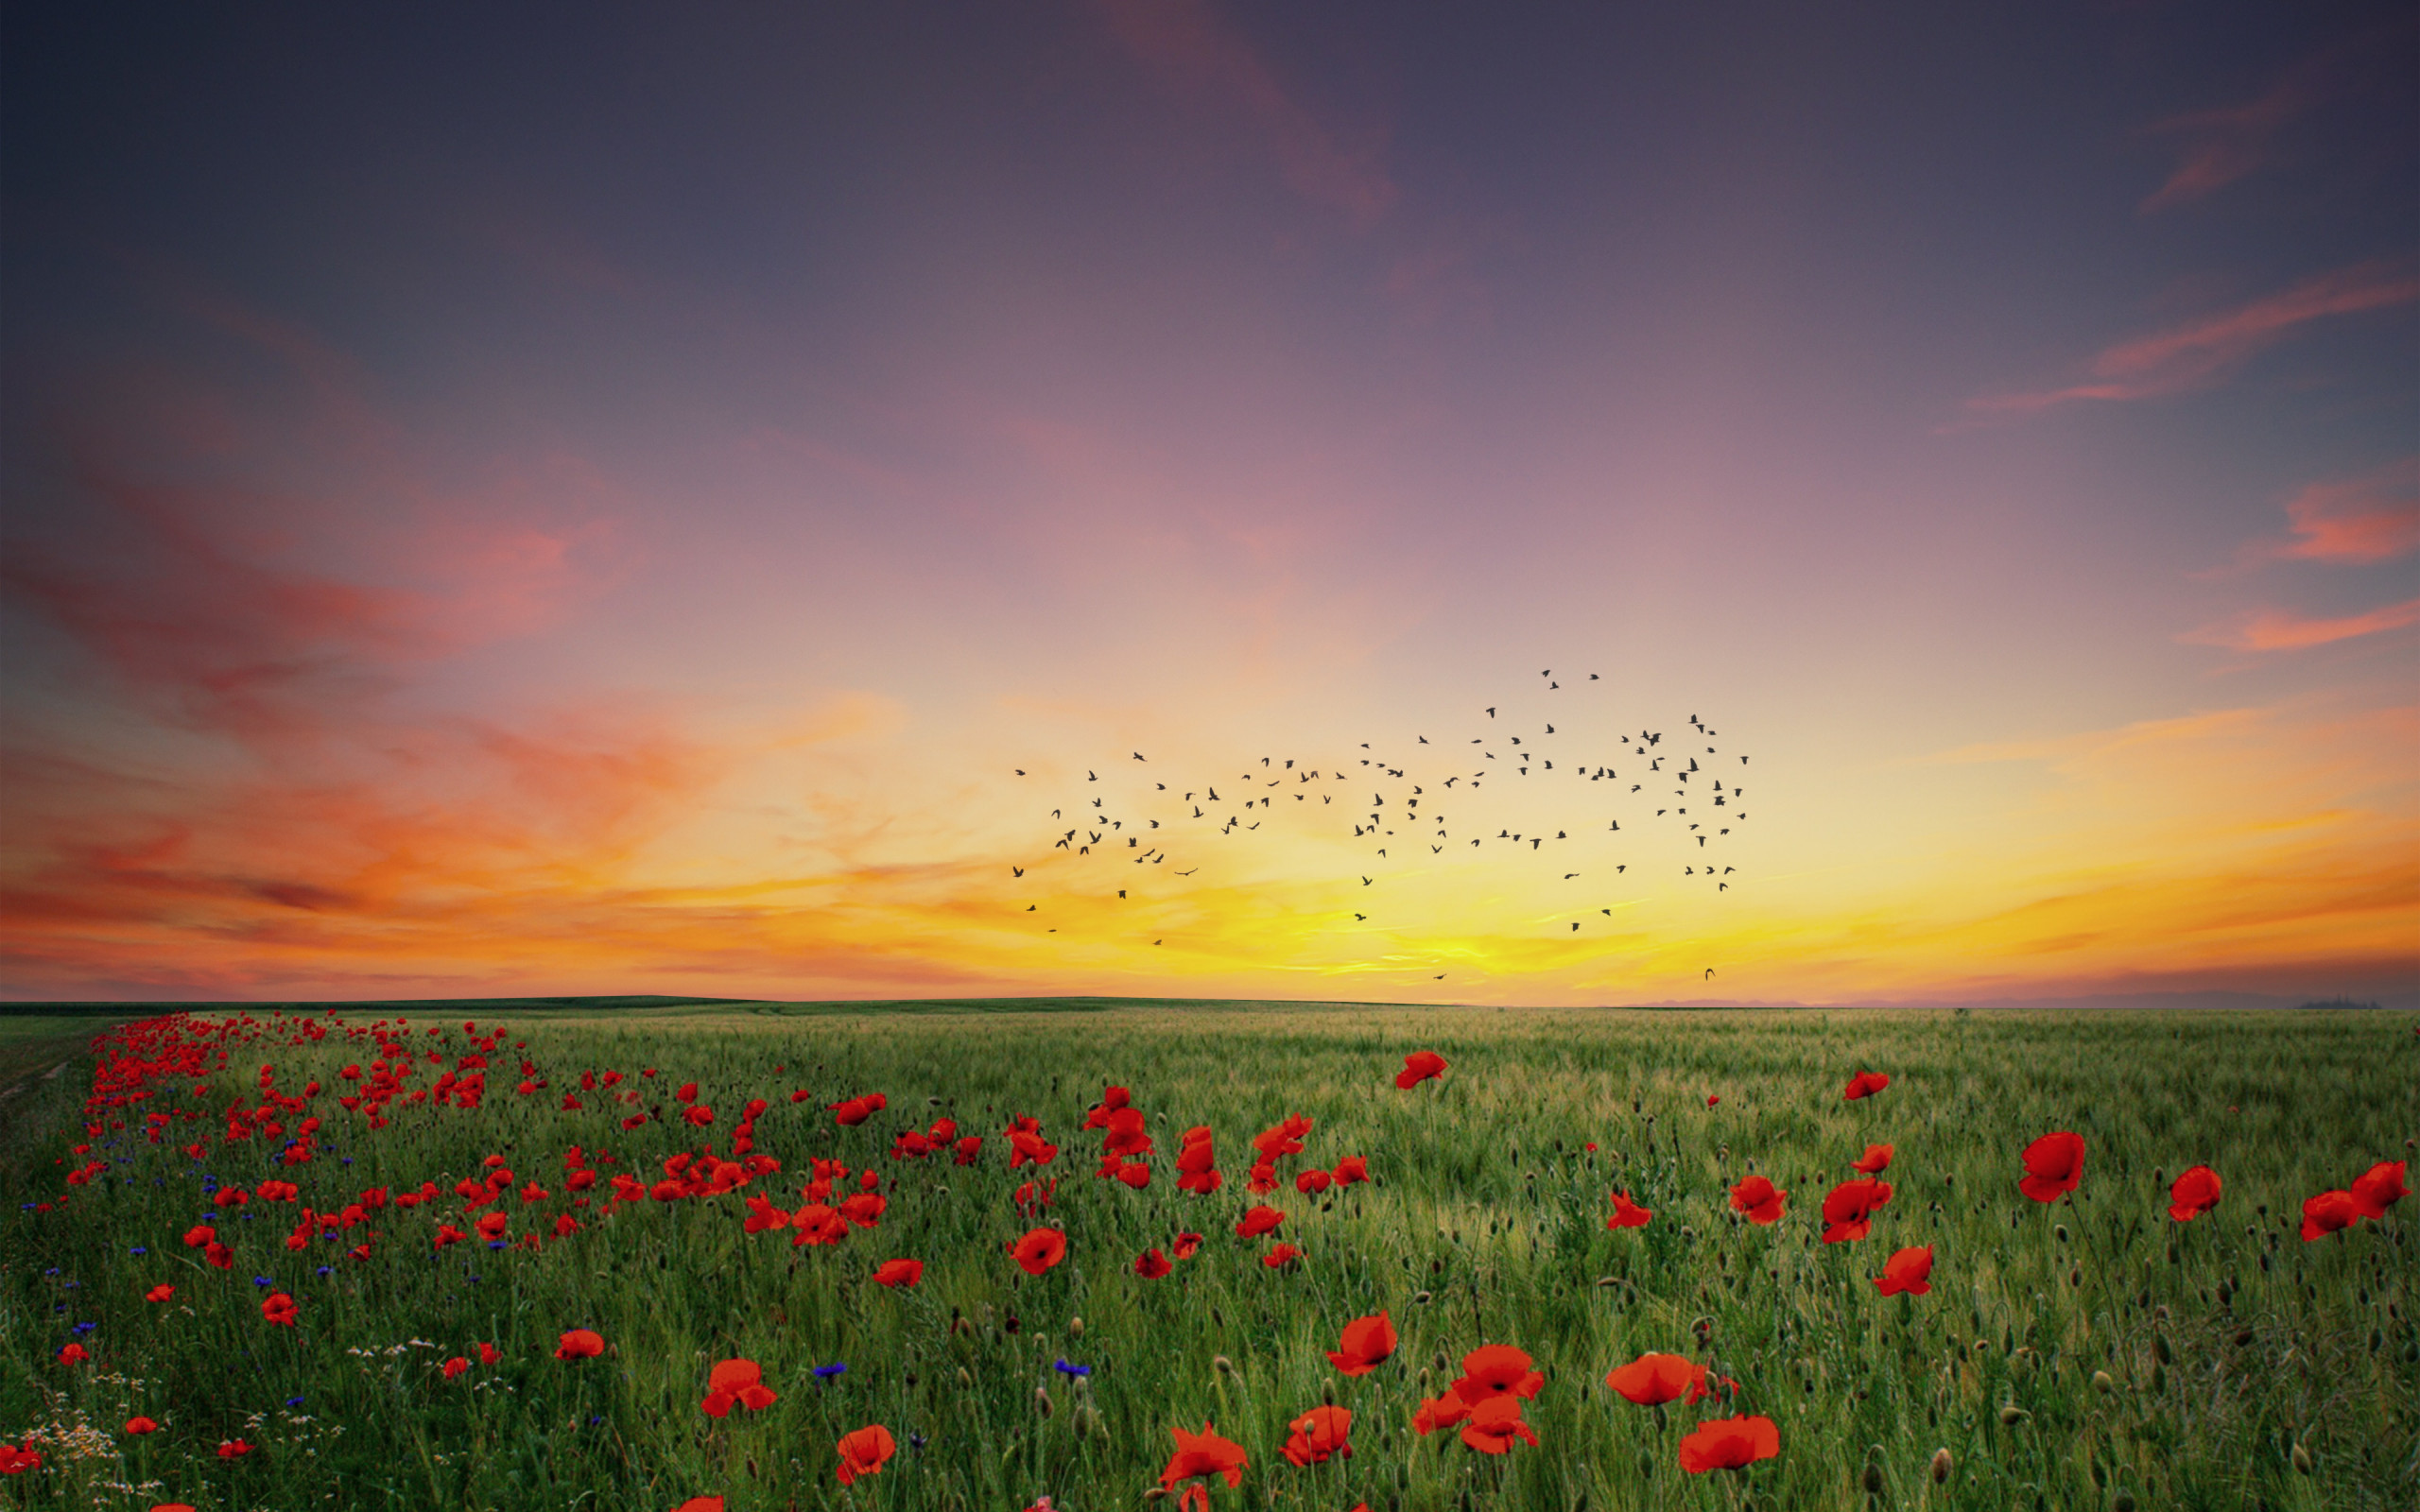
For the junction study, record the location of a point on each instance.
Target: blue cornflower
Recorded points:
(325, 1270)
(86, 1328)
(263, 1280)
(294, 1401)
(1066, 1369)
(497, 1243)
(825, 1372)
(139, 1249)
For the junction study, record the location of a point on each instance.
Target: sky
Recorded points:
(598, 499)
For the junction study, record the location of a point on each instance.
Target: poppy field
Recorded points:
(1087, 1255)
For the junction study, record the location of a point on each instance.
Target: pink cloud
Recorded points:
(2372, 518)
(2201, 352)
(2225, 145)
(1188, 42)
(2271, 629)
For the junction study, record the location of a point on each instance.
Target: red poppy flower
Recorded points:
(490, 1354)
(701, 1115)
(1712, 1098)
(1202, 1454)
(1496, 1370)
(1186, 1245)
(1848, 1209)
(1729, 1444)
(15, 1461)
(493, 1226)
(456, 1367)
(199, 1236)
(73, 1354)
(1756, 1197)
(2053, 1166)
(1627, 1215)
(279, 1309)
(1039, 1250)
(1907, 1270)
(233, 1449)
(700, 1503)
(1319, 1436)
(1365, 1342)
(1441, 1412)
(581, 1344)
(1418, 1067)
(737, 1382)
(141, 1425)
(2379, 1188)
(1310, 1183)
(1865, 1084)
(1876, 1160)
(2193, 1194)
(1351, 1169)
(1279, 1256)
(865, 1452)
(1495, 1423)
(900, 1272)
(1654, 1379)
(1151, 1264)
(1262, 1219)
(688, 1093)
(2327, 1212)
(159, 1293)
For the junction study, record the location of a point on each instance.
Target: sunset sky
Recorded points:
(563, 499)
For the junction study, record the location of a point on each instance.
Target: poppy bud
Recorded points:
(1420, 1298)
(2103, 1381)
(1872, 1479)
(2159, 1348)
(2059, 1231)
(2122, 1502)
(1042, 1400)
(1224, 1365)
(2302, 1457)
(2012, 1415)
(1075, 1328)
(1941, 1466)
(965, 1379)
(1327, 1393)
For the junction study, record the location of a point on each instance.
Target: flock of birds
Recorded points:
(1410, 807)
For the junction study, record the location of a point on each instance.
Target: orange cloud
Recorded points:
(2273, 629)
(2224, 145)
(2203, 352)
(1188, 42)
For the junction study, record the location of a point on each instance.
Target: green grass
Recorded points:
(2226, 1343)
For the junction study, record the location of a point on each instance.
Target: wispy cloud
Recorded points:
(2204, 352)
(2224, 145)
(2278, 629)
(2371, 517)
(1188, 42)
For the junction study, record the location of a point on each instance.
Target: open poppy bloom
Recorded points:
(865, 1452)
(2193, 1194)
(700, 1503)
(15, 1461)
(73, 1354)
(1151, 1264)
(1319, 1435)
(233, 1449)
(2053, 1166)
(1351, 1169)
(1628, 1214)
(1366, 1341)
(1876, 1160)
(1864, 1084)
(1495, 1423)
(737, 1382)
(1441, 1412)
(2327, 1212)
(1848, 1209)
(1039, 1250)
(1652, 1379)
(1712, 1098)
(2379, 1188)
(1496, 1370)
(456, 1367)
(899, 1272)
(1186, 1245)
(1261, 1220)
(1729, 1444)
(141, 1425)
(159, 1293)
(581, 1344)
(1756, 1197)
(1419, 1066)
(1200, 1455)
(1909, 1271)
(279, 1309)
(1279, 1256)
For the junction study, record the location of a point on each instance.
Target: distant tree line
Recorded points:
(2341, 1002)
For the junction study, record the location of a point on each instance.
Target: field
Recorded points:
(2086, 1352)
